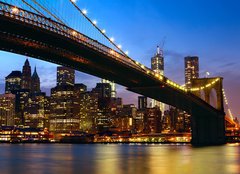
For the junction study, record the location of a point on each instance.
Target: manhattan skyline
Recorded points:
(209, 30)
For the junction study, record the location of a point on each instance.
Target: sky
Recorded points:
(203, 28)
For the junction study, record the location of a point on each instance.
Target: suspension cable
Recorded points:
(33, 8)
(46, 10)
(101, 31)
(227, 104)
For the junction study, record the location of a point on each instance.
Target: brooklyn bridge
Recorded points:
(31, 28)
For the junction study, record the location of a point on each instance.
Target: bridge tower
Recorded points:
(208, 127)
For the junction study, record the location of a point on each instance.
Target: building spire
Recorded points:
(26, 62)
(35, 74)
(158, 50)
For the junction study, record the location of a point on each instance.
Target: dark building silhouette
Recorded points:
(22, 97)
(13, 82)
(103, 89)
(152, 120)
(26, 76)
(65, 76)
(35, 88)
(142, 102)
(191, 69)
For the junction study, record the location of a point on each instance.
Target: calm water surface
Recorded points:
(118, 159)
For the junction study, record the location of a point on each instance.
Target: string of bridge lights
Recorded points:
(102, 31)
(226, 102)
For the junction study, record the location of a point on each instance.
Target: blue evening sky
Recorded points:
(209, 29)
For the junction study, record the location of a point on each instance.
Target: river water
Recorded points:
(118, 159)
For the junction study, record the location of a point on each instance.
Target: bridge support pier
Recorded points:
(207, 129)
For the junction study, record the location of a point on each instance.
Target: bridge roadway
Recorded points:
(29, 34)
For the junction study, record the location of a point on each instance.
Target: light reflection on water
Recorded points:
(118, 159)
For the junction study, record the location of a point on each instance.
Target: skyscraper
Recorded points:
(191, 69)
(26, 76)
(13, 82)
(157, 65)
(103, 89)
(113, 87)
(35, 82)
(157, 62)
(65, 76)
(142, 102)
(7, 109)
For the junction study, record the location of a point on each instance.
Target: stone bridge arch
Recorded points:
(207, 85)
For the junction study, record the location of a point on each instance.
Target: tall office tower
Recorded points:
(65, 76)
(26, 76)
(35, 82)
(191, 69)
(103, 89)
(63, 113)
(7, 109)
(113, 87)
(157, 62)
(13, 82)
(36, 111)
(157, 65)
(88, 111)
(142, 102)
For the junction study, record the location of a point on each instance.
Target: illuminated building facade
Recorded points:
(7, 109)
(13, 82)
(113, 87)
(124, 119)
(36, 111)
(176, 120)
(65, 76)
(65, 102)
(62, 117)
(138, 121)
(191, 69)
(88, 111)
(157, 65)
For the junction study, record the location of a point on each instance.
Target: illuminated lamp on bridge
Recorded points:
(15, 10)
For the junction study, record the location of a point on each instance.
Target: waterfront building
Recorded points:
(176, 120)
(36, 111)
(88, 111)
(138, 121)
(7, 109)
(62, 117)
(152, 120)
(191, 69)
(123, 120)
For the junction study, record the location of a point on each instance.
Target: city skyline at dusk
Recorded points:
(189, 29)
(119, 86)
